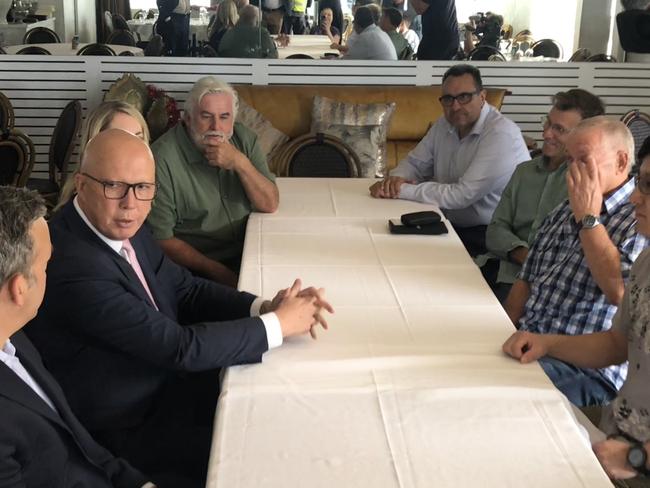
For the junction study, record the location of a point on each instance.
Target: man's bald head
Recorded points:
(112, 160)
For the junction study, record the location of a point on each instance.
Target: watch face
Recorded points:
(636, 456)
(589, 221)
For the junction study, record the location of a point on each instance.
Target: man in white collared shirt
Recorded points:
(41, 441)
(370, 42)
(139, 347)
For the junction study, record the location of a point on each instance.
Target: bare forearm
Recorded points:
(516, 300)
(604, 262)
(261, 191)
(597, 350)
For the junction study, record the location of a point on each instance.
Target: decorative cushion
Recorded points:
(363, 127)
(269, 138)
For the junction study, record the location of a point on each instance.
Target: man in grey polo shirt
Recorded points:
(211, 174)
(465, 160)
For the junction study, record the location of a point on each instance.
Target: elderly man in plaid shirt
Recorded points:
(573, 278)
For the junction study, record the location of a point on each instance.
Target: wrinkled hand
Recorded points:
(299, 311)
(612, 455)
(388, 188)
(222, 154)
(525, 346)
(584, 186)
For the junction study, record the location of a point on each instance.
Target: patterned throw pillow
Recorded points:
(268, 136)
(363, 127)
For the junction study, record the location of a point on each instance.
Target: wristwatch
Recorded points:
(637, 457)
(588, 222)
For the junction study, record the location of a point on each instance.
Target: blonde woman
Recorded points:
(108, 115)
(225, 19)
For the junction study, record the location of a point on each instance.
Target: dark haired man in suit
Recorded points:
(41, 441)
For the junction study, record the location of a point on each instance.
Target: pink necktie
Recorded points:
(129, 254)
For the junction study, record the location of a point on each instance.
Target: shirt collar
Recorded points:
(7, 353)
(619, 197)
(542, 164)
(114, 245)
(478, 125)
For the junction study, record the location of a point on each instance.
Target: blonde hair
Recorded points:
(97, 121)
(226, 16)
(206, 86)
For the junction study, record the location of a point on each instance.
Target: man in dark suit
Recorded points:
(125, 330)
(41, 441)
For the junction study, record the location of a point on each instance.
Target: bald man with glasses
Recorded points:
(464, 161)
(535, 189)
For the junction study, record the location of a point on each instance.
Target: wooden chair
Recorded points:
(122, 37)
(62, 143)
(155, 46)
(33, 50)
(96, 49)
(582, 54)
(41, 35)
(17, 156)
(548, 48)
(318, 156)
(6, 113)
(486, 53)
(639, 125)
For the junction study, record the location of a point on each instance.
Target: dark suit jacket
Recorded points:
(165, 8)
(105, 343)
(42, 448)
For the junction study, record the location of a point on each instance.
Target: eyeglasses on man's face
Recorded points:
(556, 129)
(463, 98)
(117, 190)
(642, 183)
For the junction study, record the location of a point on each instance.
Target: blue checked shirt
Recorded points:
(564, 299)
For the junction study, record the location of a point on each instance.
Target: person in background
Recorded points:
(337, 12)
(390, 21)
(325, 27)
(465, 160)
(573, 278)
(440, 38)
(136, 340)
(624, 445)
(409, 34)
(226, 18)
(107, 115)
(247, 39)
(272, 14)
(41, 441)
(211, 174)
(174, 25)
(371, 42)
(406, 9)
(241, 4)
(535, 189)
(294, 18)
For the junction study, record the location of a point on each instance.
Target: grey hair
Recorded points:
(205, 86)
(20, 209)
(615, 133)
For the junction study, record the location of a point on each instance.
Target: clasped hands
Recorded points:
(299, 310)
(584, 187)
(389, 187)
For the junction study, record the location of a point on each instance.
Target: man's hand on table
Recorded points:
(526, 346)
(612, 454)
(389, 187)
(299, 311)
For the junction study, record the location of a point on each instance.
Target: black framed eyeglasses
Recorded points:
(463, 98)
(643, 184)
(117, 190)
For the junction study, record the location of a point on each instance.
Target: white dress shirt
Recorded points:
(464, 177)
(270, 320)
(182, 8)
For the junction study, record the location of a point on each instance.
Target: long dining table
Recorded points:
(408, 387)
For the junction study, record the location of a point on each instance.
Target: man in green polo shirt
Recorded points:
(535, 189)
(391, 18)
(211, 174)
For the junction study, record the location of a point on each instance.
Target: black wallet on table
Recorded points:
(422, 223)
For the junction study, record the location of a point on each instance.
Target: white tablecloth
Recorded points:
(409, 387)
(11, 34)
(145, 28)
(315, 46)
(65, 48)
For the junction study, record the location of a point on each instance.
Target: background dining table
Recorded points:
(65, 48)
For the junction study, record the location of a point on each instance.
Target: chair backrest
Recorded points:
(63, 141)
(121, 37)
(548, 48)
(582, 54)
(601, 58)
(41, 35)
(108, 22)
(155, 47)
(299, 56)
(634, 30)
(16, 157)
(639, 125)
(6, 113)
(485, 53)
(96, 49)
(126, 53)
(33, 50)
(119, 22)
(320, 156)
